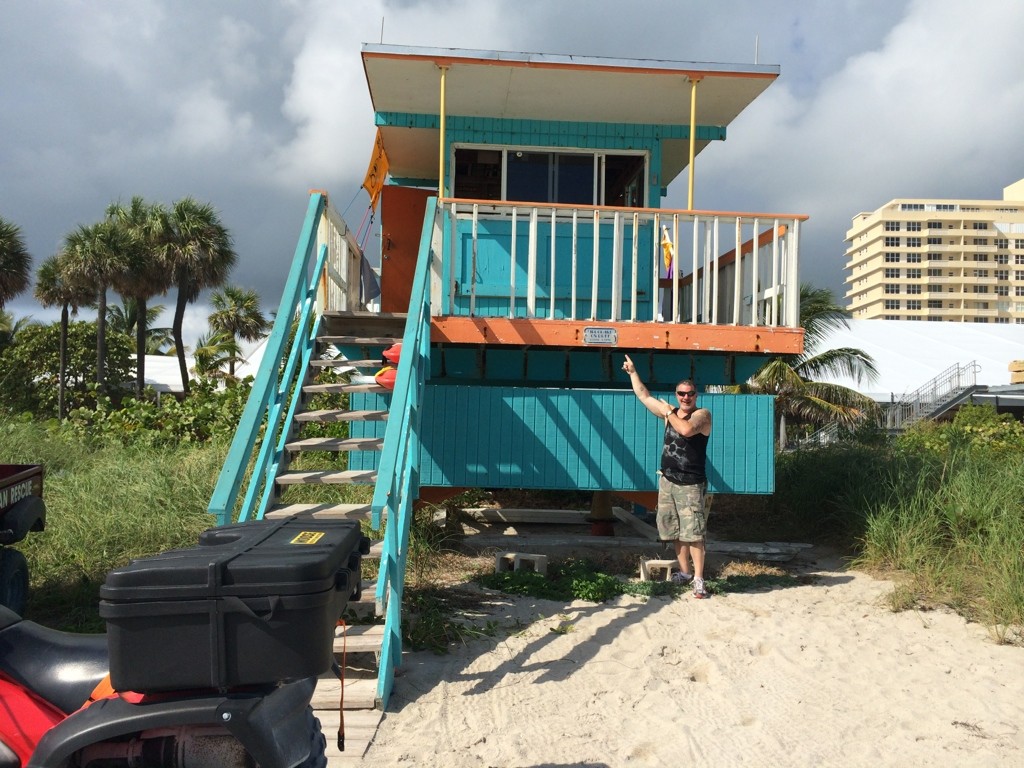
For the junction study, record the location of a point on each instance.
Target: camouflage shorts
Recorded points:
(681, 515)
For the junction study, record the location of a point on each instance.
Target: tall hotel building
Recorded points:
(956, 260)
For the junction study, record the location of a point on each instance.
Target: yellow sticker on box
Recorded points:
(307, 537)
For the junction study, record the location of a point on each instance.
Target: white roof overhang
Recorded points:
(551, 88)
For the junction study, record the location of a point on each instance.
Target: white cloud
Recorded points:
(326, 98)
(250, 105)
(925, 112)
(205, 123)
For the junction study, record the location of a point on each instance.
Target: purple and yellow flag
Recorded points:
(667, 250)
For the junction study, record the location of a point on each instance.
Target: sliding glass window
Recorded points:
(532, 176)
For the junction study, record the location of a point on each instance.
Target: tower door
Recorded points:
(401, 218)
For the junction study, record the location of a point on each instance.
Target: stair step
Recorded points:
(341, 415)
(360, 692)
(360, 729)
(336, 444)
(366, 606)
(359, 638)
(322, 511)
(341, 363)
(359, 341)
(346, 477)
(342, 386)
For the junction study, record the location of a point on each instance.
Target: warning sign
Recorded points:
(307, 537)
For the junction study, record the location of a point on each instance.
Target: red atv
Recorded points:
(210, 659)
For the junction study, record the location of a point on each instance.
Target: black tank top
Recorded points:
(683, 459)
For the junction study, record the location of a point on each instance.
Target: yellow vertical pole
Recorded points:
(440, 170)
(693, 138)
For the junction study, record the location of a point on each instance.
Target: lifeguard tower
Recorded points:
(524, 250)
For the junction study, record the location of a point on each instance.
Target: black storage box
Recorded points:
(253, 603)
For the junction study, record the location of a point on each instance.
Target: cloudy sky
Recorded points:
(248, 105)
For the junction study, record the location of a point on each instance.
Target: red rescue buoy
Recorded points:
(393, 352)
(386, 377)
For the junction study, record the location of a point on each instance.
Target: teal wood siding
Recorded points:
(579, 439)
(460, 129)
(489, 275)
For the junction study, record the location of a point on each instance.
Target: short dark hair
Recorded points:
(686, 381)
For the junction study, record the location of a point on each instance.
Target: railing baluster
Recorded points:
(617, 246)
(633, 265)
(512, 269)
(754, 266)
(572, 310)
(715, 286)
(594, 267)
(531, 267)
(695, 309)
(551, 310)
(737, 273)
(453, 249)
(792, 279)
(776, 295)
(656, 271)
(472, 273)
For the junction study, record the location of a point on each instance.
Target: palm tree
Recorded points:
(791, 379)
(9, 327)
(14, 262)
(95, 256)
(54, 289)
(237, 313)
(143, 273)
(123, 318)
(199, 255)
(213, 351)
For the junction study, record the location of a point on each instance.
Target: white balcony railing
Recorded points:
(340, 287)
(591, 263)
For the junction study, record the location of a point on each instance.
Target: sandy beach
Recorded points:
(820, 673)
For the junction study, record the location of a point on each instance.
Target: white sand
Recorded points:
(819, 674)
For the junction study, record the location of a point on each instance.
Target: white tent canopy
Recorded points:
(910, 354)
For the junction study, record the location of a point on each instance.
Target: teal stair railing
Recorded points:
(323, 253)
(398, 469)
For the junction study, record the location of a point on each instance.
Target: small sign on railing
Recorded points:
(607, 337)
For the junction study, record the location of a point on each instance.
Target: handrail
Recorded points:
(398, 469)
(706, 283)
(291, 341)
(931, 396)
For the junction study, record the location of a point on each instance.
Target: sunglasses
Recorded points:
(686, 392)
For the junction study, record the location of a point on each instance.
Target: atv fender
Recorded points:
(271, 724)
(27, 515)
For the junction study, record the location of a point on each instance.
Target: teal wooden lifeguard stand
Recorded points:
(524, 252)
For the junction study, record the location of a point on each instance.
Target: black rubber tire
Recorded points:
(13, 580)
(317, 744)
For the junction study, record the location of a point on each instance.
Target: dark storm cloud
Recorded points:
(249, 105)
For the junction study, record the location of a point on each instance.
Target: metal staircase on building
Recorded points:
(951, 388)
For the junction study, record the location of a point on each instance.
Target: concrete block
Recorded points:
(657, 570)
(518, 561)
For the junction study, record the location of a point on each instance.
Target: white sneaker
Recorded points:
(699, 591)
(678, 577)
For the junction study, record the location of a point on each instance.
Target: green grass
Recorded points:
(956, 534)
(105, 505)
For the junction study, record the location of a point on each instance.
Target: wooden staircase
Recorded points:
(358, 641)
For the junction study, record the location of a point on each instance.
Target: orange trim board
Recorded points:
(655, 336)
